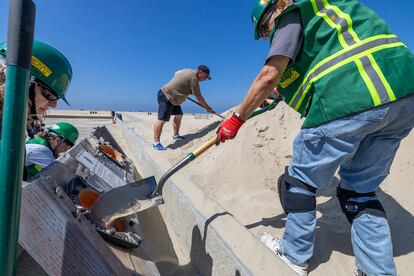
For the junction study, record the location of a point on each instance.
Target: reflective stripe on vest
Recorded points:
(32, 170)
(354, 50)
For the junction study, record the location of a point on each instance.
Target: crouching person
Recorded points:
(42, 151)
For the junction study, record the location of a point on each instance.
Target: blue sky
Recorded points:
(123, 51)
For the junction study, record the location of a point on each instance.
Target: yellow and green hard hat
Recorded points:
(66, 130)
(259, 8)
(49, 66)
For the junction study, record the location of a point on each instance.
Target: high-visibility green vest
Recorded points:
(350, 62)
(32, 170)
(35, 169)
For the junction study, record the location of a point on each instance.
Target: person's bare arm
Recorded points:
(263, 85)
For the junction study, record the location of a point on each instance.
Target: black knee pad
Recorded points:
(295, 202)
(353, 209)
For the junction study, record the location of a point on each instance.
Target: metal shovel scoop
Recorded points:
(140, 195)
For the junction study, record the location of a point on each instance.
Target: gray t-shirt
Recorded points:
(183, 83)
(288, 37)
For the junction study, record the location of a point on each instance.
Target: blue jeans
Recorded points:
(363, 147)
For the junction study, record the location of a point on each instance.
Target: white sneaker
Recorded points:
(274, 245)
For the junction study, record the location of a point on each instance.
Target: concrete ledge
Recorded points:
(78, 116)
(214, 241)
(75, 114)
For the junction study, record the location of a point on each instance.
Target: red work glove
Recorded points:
(228, 129)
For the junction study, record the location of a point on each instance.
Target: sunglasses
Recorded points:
(68, 144)
(48, 94)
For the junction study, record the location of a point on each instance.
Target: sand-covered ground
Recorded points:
(241, 176)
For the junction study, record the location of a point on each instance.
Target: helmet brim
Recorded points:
(65, 100)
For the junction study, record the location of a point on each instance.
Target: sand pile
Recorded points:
(241, 176)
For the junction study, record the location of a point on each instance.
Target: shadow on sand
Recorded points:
(333, 226)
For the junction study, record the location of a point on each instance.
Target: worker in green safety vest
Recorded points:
(338, 64)
(43, 150)
(51, 74)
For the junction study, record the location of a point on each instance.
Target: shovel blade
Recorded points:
(125, 200)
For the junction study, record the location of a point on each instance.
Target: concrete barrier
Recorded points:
(78, 116)
(211, 238)
(64, 240)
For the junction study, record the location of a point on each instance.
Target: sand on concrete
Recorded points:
(241, 176)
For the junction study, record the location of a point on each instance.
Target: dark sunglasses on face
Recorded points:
(48, 94)
(68, 144)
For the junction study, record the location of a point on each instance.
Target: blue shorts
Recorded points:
(166, 108)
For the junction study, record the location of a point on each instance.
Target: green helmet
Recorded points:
(66, 130)
(49, 66)
(259, 8)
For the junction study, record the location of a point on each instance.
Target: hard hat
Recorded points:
(66, 130)
(49, 66)
(259, 8)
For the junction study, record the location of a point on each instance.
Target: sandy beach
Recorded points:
(241, 176)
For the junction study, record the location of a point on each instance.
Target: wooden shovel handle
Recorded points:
(205, 146)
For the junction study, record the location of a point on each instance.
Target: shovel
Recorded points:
(145, 193)
(222, 117)
(140, 195)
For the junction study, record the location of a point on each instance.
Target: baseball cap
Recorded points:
(205, 69)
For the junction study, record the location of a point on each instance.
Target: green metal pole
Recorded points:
(19, 53)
